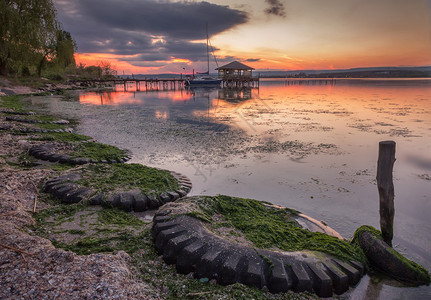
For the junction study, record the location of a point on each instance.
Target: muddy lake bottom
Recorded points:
(310, 145)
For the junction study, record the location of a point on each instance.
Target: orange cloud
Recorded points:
(181, 60)
(94, 59)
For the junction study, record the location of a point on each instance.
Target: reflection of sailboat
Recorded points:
(206, 79)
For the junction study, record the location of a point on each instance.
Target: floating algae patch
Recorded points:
(98, 151)
(294, 148)
(269, 227)
(109, 177)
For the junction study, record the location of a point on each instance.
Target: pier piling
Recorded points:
(385, 186)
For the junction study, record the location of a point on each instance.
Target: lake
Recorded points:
(311, 145)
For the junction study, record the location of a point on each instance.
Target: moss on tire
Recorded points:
(386, 259)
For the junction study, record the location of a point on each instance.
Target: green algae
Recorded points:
(272, 227)
(98, 151)
(118, 217)
(59, 213)
(61, 137)
(374, 232)
(112, 229)
(107, 178)
(12, 102)
(51, 126)
(422, 274)
(123, 241)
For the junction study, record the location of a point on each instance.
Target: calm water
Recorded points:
(309, 145)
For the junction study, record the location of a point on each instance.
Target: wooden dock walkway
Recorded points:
(155, 84)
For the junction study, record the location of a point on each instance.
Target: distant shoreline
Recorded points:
(369, 72)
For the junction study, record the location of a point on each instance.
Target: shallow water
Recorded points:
(308, 145)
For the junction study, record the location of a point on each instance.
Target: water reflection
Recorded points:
(236, 95)
(299, 109)
(132, 97)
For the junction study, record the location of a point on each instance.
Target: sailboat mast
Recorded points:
(208, 52)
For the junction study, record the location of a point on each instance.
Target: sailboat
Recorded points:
(204, 79)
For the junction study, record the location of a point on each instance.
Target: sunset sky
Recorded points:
(150, 36)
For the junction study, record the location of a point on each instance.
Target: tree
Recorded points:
(107, 69)
(30, 36)
(64, 49)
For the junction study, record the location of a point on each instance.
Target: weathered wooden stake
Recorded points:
(385, 185)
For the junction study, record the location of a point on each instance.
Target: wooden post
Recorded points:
(385, 185)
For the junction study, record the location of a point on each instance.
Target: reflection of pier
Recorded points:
(236, 94)
(144, 84)
(240, 81)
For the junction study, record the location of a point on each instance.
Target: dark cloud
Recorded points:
(253, 59)
(171, 49)
(227, 58)
(148, 29)
(149, 64)
(174, 19)
(275, 8)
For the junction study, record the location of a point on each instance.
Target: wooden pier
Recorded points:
(164, 84)
(240, 82)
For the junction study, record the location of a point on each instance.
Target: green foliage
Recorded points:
(54, 76)
(98, 151)
(108, 177)
(268, 227)
(30, 37)
(103, 70)
(65, 49)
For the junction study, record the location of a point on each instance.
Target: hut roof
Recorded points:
(235, 65)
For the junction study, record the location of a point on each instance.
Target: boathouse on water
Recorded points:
(236, 74)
